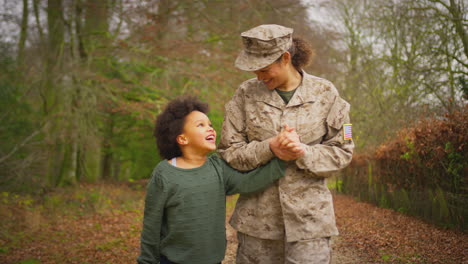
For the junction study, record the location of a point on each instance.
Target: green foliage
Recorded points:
(216, 118)
(369, 173)
(339, 185)
(386, 257)
(18, 121)
(440, 203)
(383, 202)
(112, 244)
(410, 153)
(402, 201)
(456, 164)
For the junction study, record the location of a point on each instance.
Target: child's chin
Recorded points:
(212, 148)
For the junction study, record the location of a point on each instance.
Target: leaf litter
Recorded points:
(107, 230)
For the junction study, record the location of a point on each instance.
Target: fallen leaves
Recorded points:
(386, 236)
(111, 235)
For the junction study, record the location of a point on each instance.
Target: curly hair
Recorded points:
(301, 53)
(170, 123)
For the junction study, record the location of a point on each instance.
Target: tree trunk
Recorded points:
(38, 22)
(107, 157)
(457, 18)
(55, 43)
(94, 38)
(52, 98)
(23, 33)
(79, 30)
(96, 26)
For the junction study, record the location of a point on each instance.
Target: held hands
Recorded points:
(286, 145)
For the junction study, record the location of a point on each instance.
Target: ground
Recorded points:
(102, 223)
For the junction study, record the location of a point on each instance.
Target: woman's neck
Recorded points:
(294, 79)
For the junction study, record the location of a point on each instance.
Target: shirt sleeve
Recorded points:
(252, 181)
(333, 153)
(234, 147)
(156, 196)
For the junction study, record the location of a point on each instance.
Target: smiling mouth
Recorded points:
(211, 138)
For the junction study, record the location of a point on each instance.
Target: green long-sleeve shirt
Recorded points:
(185, 209)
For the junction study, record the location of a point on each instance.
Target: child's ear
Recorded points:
(182, 140)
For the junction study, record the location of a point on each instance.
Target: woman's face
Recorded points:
(274, 75)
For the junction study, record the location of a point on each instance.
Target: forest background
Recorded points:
(81, 82)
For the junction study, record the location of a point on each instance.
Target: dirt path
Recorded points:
(376, 235)
(368, 235)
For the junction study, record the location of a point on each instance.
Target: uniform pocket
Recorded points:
(310, 123)
(262, 121)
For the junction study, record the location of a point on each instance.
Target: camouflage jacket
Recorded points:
(298, 206)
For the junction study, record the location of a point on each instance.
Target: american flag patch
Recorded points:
(348, 131)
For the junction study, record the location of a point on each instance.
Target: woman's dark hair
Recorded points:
(301, 53)
(170, 124)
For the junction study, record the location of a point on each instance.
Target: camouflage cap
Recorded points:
(262, 46)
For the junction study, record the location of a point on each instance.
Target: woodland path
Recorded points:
(367, 235)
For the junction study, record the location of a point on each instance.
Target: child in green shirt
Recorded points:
(184, 218)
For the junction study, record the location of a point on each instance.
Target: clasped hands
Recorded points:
(286, 145)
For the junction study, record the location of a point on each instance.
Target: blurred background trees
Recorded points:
(81, 81)
(404, 70)
(404, 59)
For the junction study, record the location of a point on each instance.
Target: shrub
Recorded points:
(422, 172)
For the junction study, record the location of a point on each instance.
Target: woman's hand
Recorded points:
(286, 145)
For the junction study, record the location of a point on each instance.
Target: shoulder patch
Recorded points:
(347, 131)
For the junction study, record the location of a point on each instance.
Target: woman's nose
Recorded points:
(259, 77)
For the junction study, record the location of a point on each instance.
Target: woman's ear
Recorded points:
(182, 140)
(286, 57)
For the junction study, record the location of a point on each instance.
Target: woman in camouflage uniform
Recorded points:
(291, 221)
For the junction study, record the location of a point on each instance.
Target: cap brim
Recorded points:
(252, 62)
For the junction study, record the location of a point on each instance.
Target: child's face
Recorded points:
(198, 133)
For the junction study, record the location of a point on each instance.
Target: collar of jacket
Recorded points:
(304, 94)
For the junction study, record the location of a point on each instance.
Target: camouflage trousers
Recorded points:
(252, 250)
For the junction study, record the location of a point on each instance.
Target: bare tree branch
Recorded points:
(19, 146)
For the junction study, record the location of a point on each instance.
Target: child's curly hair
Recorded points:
(170, 123)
